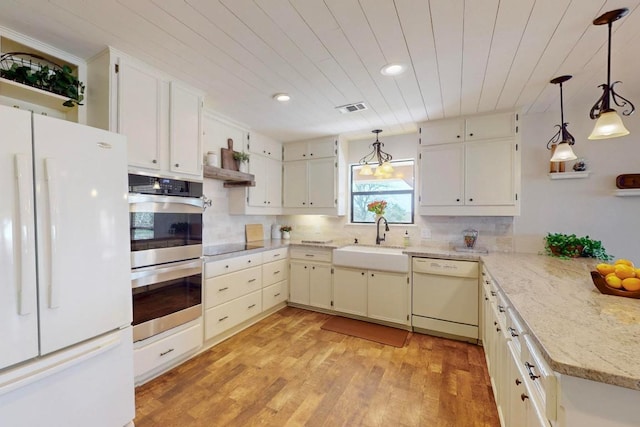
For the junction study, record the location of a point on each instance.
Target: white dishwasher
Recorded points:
(445, 298)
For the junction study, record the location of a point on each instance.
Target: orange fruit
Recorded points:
(637, 272)
(613, 281)
(624, 262)
(604, 268)
(631, 284)
(623, 271)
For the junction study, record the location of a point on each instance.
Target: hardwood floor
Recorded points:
(286, 371)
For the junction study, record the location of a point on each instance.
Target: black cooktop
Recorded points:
(228, 248)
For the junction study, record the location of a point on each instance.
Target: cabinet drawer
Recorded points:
(540, 377)
(515, 329)
(216, 268)
(221, 289)
(274, 255)
(311, 254)
(156, 354)
(274, 272)
(274, 294)
(224, 316)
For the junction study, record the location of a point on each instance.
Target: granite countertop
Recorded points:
(579, 331)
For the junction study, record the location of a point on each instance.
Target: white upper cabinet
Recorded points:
(479, 175)
(185, 129)
(489, 126)
(160, 116)
(314, 177)
(260, 144)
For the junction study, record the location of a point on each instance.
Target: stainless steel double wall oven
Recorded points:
(166, 250)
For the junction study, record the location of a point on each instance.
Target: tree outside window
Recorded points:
(395, 188)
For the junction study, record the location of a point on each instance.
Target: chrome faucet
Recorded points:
(386, 228)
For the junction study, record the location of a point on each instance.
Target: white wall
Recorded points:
(580, 206)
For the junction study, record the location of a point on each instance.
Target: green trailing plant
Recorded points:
(241, 156)
(55, 79)
(571, 246)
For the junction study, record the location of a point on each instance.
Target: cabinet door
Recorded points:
(320, 286)
(295, 184)
(388, 296)
(295, 151)
(442, 131)
(257, 194)
(139, 103)
(299, 283)
(318, 149)
(491, 126)
(350, 291)
(273, 190)
(185, 131)
(516, 389)
(265, 146)
(442, 175)
(490, 173)
(322, 179)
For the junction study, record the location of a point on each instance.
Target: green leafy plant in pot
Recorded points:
(571, 246)
(240, 157)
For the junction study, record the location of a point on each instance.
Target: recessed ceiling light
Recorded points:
(281, 97)
(393, 69)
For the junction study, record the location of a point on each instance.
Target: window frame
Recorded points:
(411, 192)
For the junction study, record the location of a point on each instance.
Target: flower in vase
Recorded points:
(377, 207)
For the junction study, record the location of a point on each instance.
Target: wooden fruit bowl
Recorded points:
(601, 284)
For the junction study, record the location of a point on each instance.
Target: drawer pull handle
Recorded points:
(277, 295)
(276, 255)
(518, 382)
(276, 272)
(251, 306)
(223, 289)
(495, 323)
(530, 367)
(493, 293)
(501, 309)
(224, 318)
(166, 352)
(523, 397)
(309, 255)
(487, 282)
(252, 280)
(512, 332)
(498, 329)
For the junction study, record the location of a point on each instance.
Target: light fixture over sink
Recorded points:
(609, 123)
(562, 138)
(378, 156)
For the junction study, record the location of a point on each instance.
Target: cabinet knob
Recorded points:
(371, 274)
(523, 397)
(470, 134)
(154, 161)
(177, 165)
(518, 382)
(268, 203)
(303, 203)
(362, 273)
(457, 200)
(457, 136)
(310, 203)
(471, 200)
(498, 329)
(304, 155)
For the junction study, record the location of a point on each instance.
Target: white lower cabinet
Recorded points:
(275, 284)
(374, 294)
(274, 294)
(225, 316)
(310, 277)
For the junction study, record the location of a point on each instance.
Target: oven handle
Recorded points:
(152, 198)
(160, 273)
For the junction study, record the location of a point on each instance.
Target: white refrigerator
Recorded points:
(66, 356)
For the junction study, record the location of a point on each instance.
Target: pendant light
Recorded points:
(609, 123)
(563, 138)
(378, 156)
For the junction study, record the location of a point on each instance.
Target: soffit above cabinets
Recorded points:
(462, 57)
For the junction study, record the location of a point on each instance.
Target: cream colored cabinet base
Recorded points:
(227, 315)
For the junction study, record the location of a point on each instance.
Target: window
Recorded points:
(396, 190)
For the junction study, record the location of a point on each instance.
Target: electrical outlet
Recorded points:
(425, 233)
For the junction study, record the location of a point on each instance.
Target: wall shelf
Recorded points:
(33, 95)
(569, 175)
(628, 192)
(230, 177)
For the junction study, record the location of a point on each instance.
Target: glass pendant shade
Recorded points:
(366, 170)
(386, 167)
(608, 125)
(563, 152)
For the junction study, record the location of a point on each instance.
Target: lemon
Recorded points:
(613, 281)
(631, 284)
(624, 262)
(623, 271)
(604, 268)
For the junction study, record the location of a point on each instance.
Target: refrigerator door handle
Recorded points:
(22, 169)
(50, 174)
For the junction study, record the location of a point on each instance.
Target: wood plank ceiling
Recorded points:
(463, 56)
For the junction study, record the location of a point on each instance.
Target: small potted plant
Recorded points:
(571, 246)
(377, 207)
(286, 231)
(240, 157)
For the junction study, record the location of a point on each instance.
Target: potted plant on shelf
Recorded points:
(571, 246)
(240, 157)
(286, 231)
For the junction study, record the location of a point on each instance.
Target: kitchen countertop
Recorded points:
(579, 331)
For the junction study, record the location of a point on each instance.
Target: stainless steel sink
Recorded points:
(383, 258)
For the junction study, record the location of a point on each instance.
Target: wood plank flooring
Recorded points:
(286, 371)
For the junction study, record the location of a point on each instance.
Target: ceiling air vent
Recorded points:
(352, 108)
